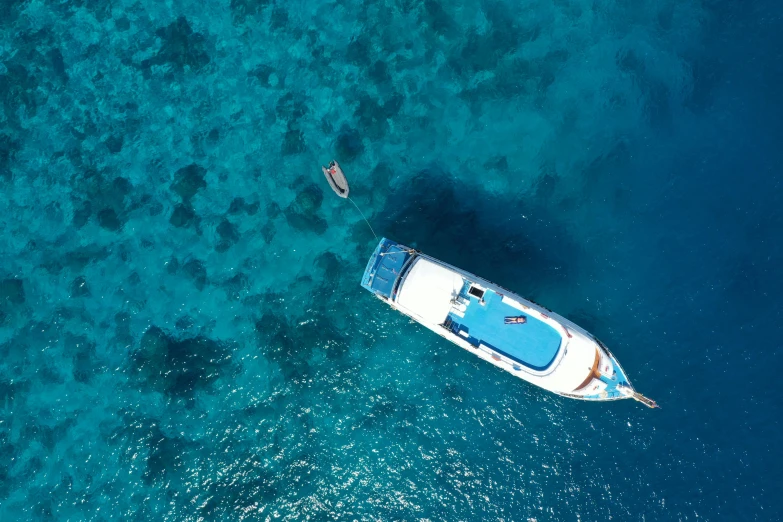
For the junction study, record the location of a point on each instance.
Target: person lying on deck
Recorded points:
(515, 319)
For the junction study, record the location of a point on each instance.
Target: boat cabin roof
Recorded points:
(429, 289)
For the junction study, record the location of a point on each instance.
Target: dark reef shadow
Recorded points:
(501, 237)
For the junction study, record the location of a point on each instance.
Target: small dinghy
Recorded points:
(336, 178)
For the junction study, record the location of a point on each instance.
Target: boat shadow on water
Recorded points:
(518, 244)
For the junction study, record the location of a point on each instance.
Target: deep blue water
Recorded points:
(182, 331)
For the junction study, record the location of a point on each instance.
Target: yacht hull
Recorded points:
(508, 331)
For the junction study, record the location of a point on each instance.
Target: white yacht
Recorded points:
(513, 333)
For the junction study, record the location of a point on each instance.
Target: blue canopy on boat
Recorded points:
(384, 267)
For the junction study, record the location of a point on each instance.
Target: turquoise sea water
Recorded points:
(182, 331)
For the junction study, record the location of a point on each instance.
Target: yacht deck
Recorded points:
(533, 343)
